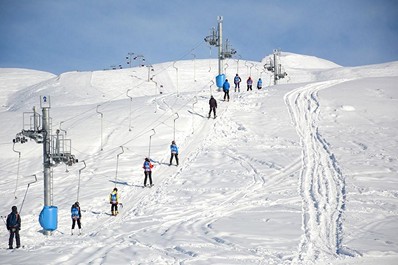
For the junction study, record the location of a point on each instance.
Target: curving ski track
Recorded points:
(322, 186)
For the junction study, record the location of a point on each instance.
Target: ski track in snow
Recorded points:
(322, 184)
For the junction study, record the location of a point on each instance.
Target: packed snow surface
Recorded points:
(302, 172)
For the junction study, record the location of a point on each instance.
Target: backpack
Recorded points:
(174, 149)
(75, 212)
(113, 198)
(13, 220)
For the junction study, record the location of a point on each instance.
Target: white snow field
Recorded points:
(303, 172)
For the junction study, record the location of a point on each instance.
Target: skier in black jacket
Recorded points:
(213, 106)
(14, 225)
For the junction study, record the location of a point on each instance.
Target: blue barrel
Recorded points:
(48, 218)
(220, 79)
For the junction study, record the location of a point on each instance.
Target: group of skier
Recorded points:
(147, 166)
(237, 80)
(13, 224)
(226, 87)
(249, 83)
(13, 221)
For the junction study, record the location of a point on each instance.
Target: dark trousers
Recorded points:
(74, 221)
(148, 174)
(14, 231)
(249, 87)
(214, 111)
(171, 158)
(113, 209)
(226, 95)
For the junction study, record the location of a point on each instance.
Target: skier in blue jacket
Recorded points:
(237, 81)
(174, 152)
(226, 87)
(76, 216)
(259, 83)
(148, 171)
(114, 201)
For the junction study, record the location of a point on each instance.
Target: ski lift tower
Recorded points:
(216, 40)
(275, 66)
(219, 44)
(56, 149)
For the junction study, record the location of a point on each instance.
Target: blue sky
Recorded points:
(66, 35)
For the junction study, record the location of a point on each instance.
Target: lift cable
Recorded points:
(26, 192)
(117, 164)
(19, 160)
(78, 185)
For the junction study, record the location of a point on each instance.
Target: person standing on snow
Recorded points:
(13, 226)
(114, 201)
(174, 152)
(213, 106)
(76, 216)
(148, 171)
(249, 83)
(259, 84)
(226, 87)
(237, 81)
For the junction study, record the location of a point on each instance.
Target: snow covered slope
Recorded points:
(303, 172)
(12, 80)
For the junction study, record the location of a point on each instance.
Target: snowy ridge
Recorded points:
(12, 80)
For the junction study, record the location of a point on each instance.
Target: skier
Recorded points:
(249, 83)
(213, 106)
(174, 152)
(259, 84)
(237, 81)
(226, 87)
(76, 216)
(13, 226)
(114, 201)
(148, 171)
